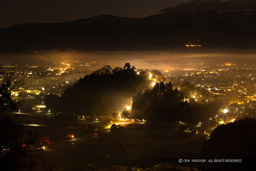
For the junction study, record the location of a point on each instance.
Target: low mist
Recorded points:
(173, 60)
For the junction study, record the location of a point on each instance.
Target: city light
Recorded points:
(232, 120)
(170, 86)
(228, 64)
(49, 111)
(221, 122)
(33, 125)
(150, 76)
(128, 107)
(71, 136)
(153, 84)
(225, 111)
(192, 45)
(120, 123)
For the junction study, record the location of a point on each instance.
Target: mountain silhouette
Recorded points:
(214, 23)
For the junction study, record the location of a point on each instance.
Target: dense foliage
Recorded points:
(162, 103)
(18, 148)
(107, 91)
(165, 104)
(103, 92)
(6, 103)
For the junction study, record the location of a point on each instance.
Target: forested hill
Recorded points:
(105, 91)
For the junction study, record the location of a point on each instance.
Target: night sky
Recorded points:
(14, 12)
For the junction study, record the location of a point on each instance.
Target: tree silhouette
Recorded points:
(125, 113)
(165, 104)
(127, 66)
(104, 91)
(162, 104)
(14, 139)
(6, 102)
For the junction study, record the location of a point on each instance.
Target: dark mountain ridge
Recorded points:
(218, 27)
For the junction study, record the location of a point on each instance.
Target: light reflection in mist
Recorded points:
(161, 60)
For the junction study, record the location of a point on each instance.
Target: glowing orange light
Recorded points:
(153, 84)
(150, 76)
(128, 107)
(71, 136)
(192, 45)
(225, 110)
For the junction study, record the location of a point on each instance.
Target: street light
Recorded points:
(128, 107)
(225, 111)
(153, 84)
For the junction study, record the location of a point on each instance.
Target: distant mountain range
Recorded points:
(213, 23)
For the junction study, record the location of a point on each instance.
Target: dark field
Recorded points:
(126, 146)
